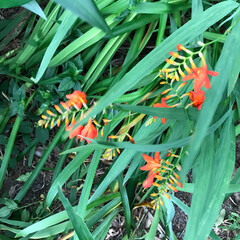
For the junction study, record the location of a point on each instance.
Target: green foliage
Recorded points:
(13, 3)
(112, 51)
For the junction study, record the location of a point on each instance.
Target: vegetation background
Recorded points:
(53, 187)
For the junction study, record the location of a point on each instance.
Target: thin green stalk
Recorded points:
(4, 117)
(8, 150)
(162, 27)
(82, 205)
(27, 149)
(61, 160)
(10, 143)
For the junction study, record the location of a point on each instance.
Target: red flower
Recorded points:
(200, 75)
(77, 98)
(163, 104)
(76, 131)
(89, 131)
(197, 97)
(152, 165)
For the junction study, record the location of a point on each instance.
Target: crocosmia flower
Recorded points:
(200, 75)
(149, 181)
(89, 131)
(152, 166)
(76, 99)
(76, 131)
(161, 105)
(197, 98)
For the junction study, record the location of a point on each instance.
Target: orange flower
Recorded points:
(200, 75)
(181, 47)
(77, 98)
(76, 131)
(163, 104)
(197, 98)
(89, 131)
(152, 165)
(149, 181)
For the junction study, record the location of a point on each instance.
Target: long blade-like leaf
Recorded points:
(210, 188)
(79, 226)
(214, 95)
(86, 10)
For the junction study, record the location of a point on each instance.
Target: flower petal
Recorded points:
(147, 158)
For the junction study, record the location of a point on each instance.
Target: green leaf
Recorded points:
(126, 206)
(24, 177)
(214, 95)
(2, 237)
(3, 140)
(233, 188)
(132, 25)
(4, 227)
(66, 24)
(101, 231)
(79, 226)
(67, 172)
(153, 229)
(158, 7)
(25, 215)
(10, 204)
(235, 73)
(66, 84)
(26, 127)
(103, 210)
(216, 156)
(169, 113)
(8, 150)
(82, 205)
(42, 134)
(62, 216)
(12, 3)
(87, 11)
(35, 8)
(87, 39)
(5, 211)
(186, 209)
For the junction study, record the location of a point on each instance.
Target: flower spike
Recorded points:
(200, 75)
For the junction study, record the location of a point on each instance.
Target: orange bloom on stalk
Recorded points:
(149, 181)
(76, 131)
(80, 131)
(200, 75)
(163, 104)
(89, 131)
(77, 98)
(152, 166)
(197, 98)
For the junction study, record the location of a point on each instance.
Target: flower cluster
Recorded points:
(200, 76)
(69, 110)
(161, 175)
